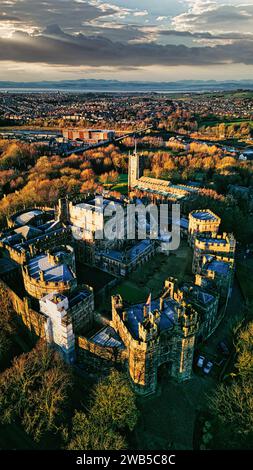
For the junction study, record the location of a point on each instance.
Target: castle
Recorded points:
(154, 190)
(38, 267)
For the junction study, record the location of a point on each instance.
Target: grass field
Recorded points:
(122, 185)
(215, 122)
(151, 276)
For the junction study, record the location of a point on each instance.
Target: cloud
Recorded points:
(75, 16)
(54, 47)
(116, 31)
(210, 16)
(162, 18)
(140, 13)
(115, 34)
(9, 18)
(207, 35)
(68, 13)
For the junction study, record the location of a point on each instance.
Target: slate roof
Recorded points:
(167, 320)
(52, 272)
(132, 253)
(218, 266)
(28, 232)
(204, 215)
(26, 217)
(109, 338)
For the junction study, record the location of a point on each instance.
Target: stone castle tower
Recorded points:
(63, 210)
(135, 168)
(152, 348)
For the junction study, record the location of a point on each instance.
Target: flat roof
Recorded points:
(81, 295)
(204, 215)
(220, 267)
(91, 203)
(211, 241)
(27, 243)
(52, 272)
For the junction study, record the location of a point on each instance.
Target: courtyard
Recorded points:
(151, 276)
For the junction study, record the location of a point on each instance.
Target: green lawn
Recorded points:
(151, 276)
(122, 185)
(214, 121)
(123, 178)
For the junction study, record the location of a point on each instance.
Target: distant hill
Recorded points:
(131, 86)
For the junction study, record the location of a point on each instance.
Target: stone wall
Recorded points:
(82, 313)
(38, 288)
(86, 348)
(33, 320)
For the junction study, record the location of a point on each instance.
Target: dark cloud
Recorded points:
(11, 18)
(206, 35)
(58, 48)
(68, 13)
(123, 32)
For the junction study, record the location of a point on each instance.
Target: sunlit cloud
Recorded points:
(96, 36)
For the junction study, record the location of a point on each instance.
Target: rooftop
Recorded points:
(167, 320)
(212, 241)
(91, 203)
(52, 272)
(157, 190)
(28, 232)
(196, 293)
(108, 337)
(218, 266)
(205, 215)
(78, 297)
(26, 217)
(131, 254)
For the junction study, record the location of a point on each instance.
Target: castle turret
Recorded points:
(186, 330)
(202, 221)
(63, 210)
(135, 169)
(59, 327)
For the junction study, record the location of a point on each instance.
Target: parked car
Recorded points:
(208, 367)
(200, 361)
(223, 348)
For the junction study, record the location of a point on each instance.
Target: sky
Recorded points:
(148, 40)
